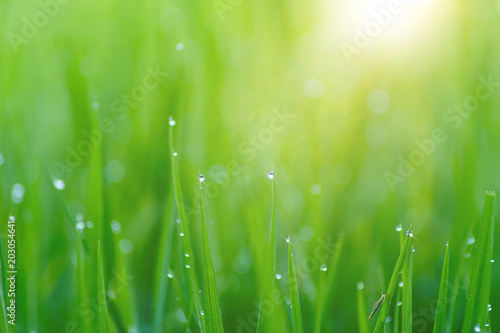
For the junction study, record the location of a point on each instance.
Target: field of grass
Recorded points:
(248, 166)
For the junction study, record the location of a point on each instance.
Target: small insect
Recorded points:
(377, 305)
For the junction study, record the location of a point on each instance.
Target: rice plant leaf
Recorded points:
(476, 310)
(264, 321)
(189, 270)
(294, 294)
(379, 327)
(213, 319)
(406, 316)
(103, 305)
(163, 265)
(330, 277)
(363, 324)
(440, 320)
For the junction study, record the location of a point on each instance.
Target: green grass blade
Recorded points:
(392, 286)
(213, 319)
(189, 270)
(407, 294)
(163, 265)
(397, 312)
(321, 300)
(264, 322)
(294, 294)
(103, 305)
(331, 275)
(440, 321)
(363, 324)
(476, 310)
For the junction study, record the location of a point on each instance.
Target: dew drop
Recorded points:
(79, 217)
(400, 284)
(170, 274)
(17, 193)
(116, 227)
(471, 240)
(187, 266)
(489, 307)
(361, 285)
(187, 255)
(202, 313)
(178, 220)
(477, 328)
(202, 178)
(399, 303)
(181, 234)
(2, 160)
(323, 268)
(80, 225)
(467, 255)
(12, 218)
(179, 47)
(270, 175)
(111, 294)
(171, 121)
(399, 228)
(90, 225)
(492, 260)
(95, 105)
(125, 246)
(175, 153)
(278, 276)
(59, 184)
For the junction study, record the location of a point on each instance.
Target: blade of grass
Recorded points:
(440, 321)
(476, 310)
(321, 299)
(294, 294)
(103, 305)
(397, 313)
(406, 315)
(213, 319)
(189, 270)
(264, 322)
(163, 265)
(331, 275)
(363, 324)
(379, 327)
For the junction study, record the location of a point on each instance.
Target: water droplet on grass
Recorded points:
(278, 276)
(90, 225)
(477, 328)
(171, 121)
(471, 240)
(116, 227)
(17, 193)
(361, 285)
(202, 178)
(323, 268)
(399, 228)
(179, 47)
(170, 274)
(125, 246)
(181, 234)
(59, 184)
(80, 225)
(2, 160)
(187, 255)
(400, 284)
(270, 175)
(175, 153)
(187, 266)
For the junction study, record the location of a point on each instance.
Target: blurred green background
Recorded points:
(253, 87)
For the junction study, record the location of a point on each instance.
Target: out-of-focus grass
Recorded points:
(230, 84)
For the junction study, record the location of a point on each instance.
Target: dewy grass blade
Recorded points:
(294, 294)
(392, 285)
(440, 320)
(330, 276)
(163, 265)
(103, 307)
(397, 313)
(189, 268)
(264, 321)
(322, 293)
(213, 319)
(363, 324)
(406, 318)
(476, 310)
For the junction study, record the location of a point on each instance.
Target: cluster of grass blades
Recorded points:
(201, 306)
(477, 312)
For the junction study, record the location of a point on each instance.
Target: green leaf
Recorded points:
(294, 294)
(363, 323)
(392, 286)
(189, 270)
(476, 311)
(103, 307)
(213, 319)
(407, 294)
(440, 321)
(264, 322)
